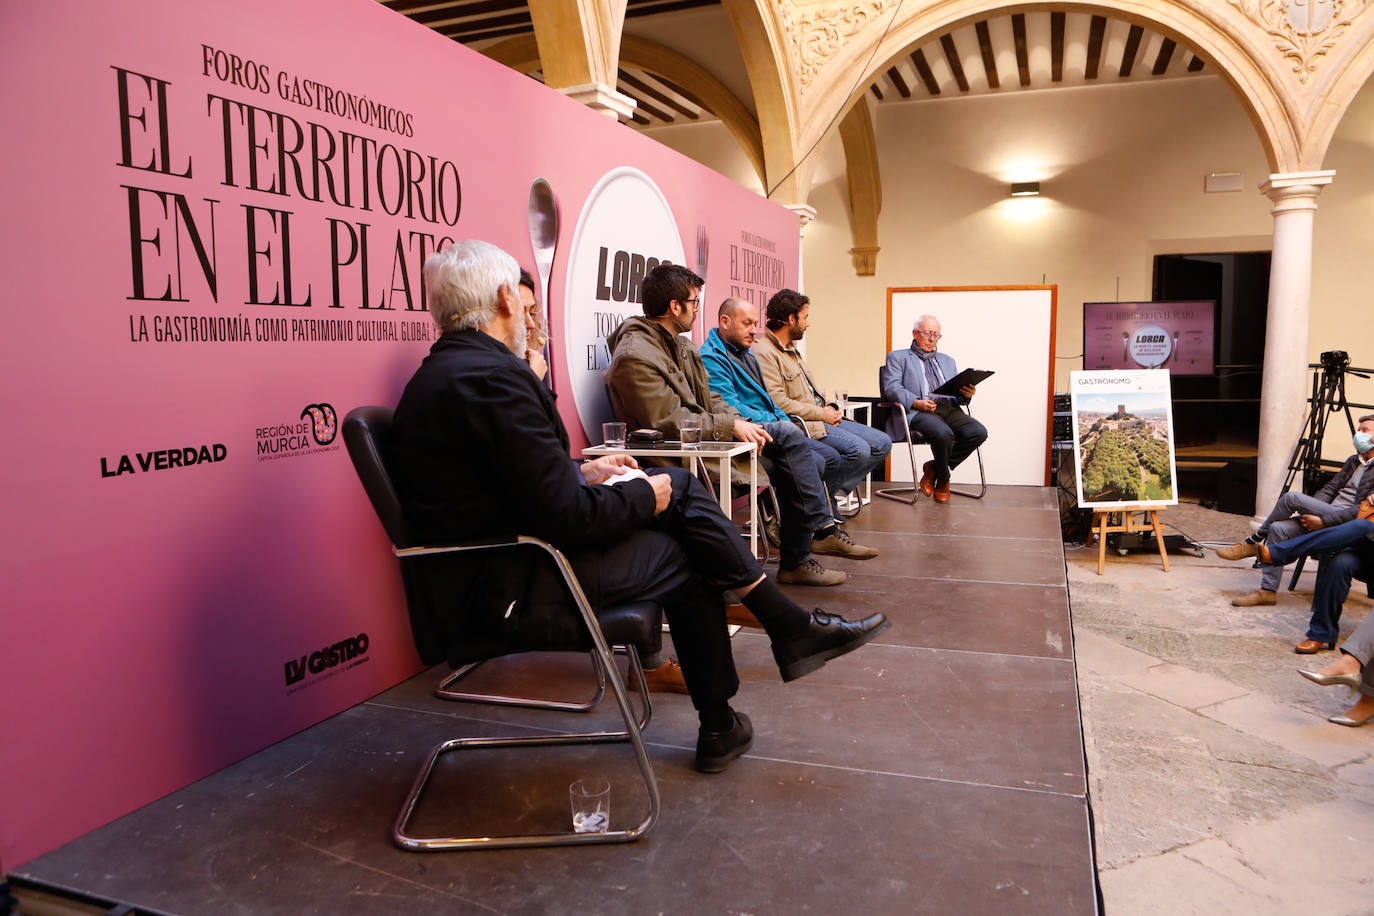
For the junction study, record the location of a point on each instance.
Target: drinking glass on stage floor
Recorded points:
(591, 805)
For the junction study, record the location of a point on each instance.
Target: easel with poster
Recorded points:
(1124, 452)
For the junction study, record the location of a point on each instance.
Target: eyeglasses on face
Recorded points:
(930, 335)
(688, 301)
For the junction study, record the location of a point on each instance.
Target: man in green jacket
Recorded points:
(656, 378)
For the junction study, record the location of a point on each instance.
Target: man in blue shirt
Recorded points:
(736, 377)
(910, 378)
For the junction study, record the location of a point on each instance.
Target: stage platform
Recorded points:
(938, 770)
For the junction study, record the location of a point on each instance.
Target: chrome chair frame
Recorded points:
(897, 418)
(360, 435)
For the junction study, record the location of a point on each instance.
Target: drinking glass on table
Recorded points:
(613, 434)
(690, 431)
(842, 399)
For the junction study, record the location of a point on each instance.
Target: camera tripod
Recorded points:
(1328, 397)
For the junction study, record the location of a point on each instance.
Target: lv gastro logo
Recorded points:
(352, 650)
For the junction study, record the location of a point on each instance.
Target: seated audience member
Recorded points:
(536, 335)
(735, 375)
(1344, 548)
(656, 378)
(1353, 668)
(1333, 504)
(860, 449)
(910, 378)
(479, 451)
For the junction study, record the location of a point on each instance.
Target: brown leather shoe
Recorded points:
(942, 492)
(1259, 598)
(1312, 647)
(666, 678)
(1238, 551)
(738, 615)
(928, 478)
(811, 573)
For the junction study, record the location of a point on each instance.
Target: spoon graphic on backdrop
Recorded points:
(544, 239)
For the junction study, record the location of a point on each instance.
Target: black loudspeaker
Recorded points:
(1236, 488)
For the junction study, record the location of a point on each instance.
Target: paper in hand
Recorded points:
(624, 475)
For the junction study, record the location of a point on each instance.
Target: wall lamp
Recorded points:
(1025, 189)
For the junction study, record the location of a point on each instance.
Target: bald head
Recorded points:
(739, 322)
(730, 306)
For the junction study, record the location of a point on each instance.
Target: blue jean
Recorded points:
(1333, 584)
(1280, 527)
(858, 450)
(801, 497)
(1323, 540)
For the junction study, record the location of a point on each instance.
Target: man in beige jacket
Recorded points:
(859, 448)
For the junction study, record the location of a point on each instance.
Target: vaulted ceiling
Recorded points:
(1005, 53)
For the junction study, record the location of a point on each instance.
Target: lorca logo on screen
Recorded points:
(163, 459)
(313, 431)
(349, 653)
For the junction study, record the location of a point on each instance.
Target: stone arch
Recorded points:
(761, 38)
(715, 95)
(1220, 34)
(522, 53)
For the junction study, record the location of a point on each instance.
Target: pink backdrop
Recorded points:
(153, 615)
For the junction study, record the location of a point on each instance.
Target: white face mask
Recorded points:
(1363, 442)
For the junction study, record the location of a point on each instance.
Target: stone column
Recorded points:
(805, 214)
(1286, 379)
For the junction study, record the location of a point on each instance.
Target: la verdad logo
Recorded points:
(164, 459)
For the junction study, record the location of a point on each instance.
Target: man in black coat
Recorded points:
(479, 450)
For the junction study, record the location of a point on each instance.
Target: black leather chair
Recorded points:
(891, 418)
(366, 431)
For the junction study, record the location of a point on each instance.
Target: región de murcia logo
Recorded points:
(313, 431)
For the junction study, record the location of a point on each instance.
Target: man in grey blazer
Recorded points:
(910, 378)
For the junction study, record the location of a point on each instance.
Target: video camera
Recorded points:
(1335, 360)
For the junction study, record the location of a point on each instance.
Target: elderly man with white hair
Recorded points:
(910, 378)
(479, 450)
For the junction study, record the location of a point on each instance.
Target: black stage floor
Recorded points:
(938, 770)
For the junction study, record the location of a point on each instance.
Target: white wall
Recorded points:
(1121, 170)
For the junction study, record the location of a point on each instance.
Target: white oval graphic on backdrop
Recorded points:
(626, 227)
(1150, 346)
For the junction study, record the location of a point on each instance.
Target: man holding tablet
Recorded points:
(910, 378)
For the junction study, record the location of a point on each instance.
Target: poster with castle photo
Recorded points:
(1123, 439)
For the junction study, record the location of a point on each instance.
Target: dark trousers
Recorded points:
(796, 477)
(690, 555)
(952, 435)
(1333, 584)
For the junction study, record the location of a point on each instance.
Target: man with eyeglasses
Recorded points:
(910, 378)
(657, 378)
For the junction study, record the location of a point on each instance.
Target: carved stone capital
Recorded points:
(1292, 191)
(805, 213)
(602, 98)
(865, 261)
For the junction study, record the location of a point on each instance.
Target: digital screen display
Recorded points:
(1177, 336)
